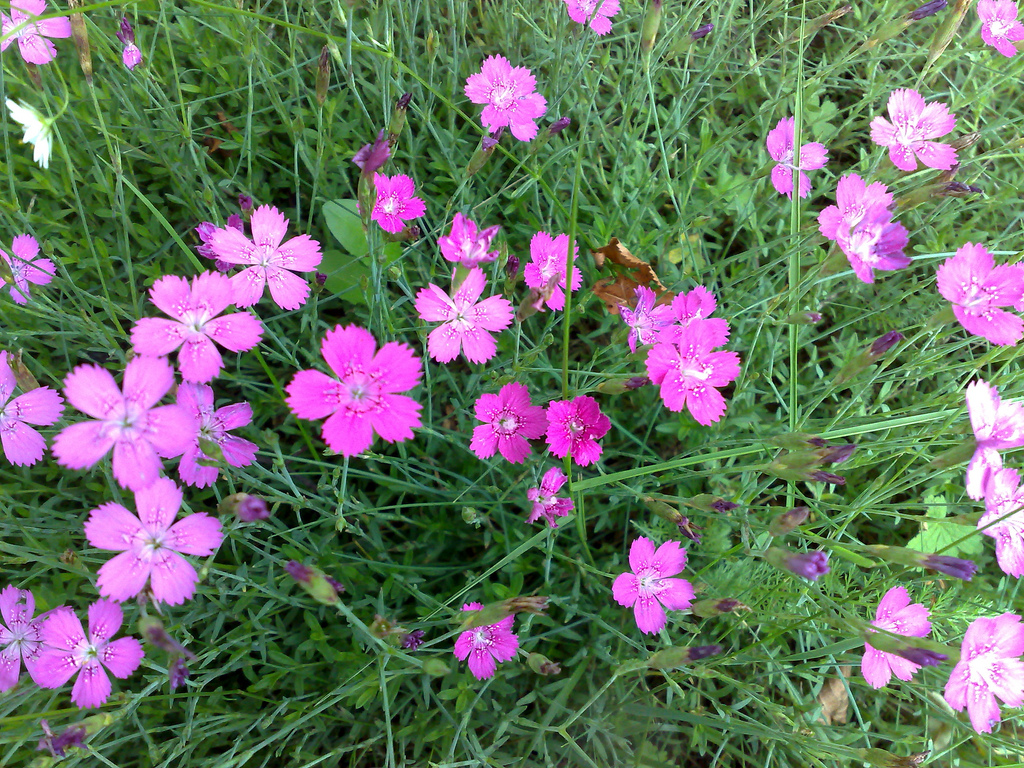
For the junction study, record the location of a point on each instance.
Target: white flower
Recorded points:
(38, 131)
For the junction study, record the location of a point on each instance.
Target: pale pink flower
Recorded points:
(813, 156)
(898, 615)
(486, 646)
(1004, 498)
(211, 427)
(575, 426)
(597, 12)
(997, 425)
(977, 288)
(362, 399)
(693, 308)
(129, 422)
(914, 124)
(26, 266)
(151, 545)
(509, 421)
(546, 503)
(35, 48)
(466, 322)
(131, 56)
(396, 202)
(21, 636)
(547, 267)
(874, 242)
(689, 373)
(41, 406)
(645, 320)
(648, 589)
(271, 261)
(196, 325)
(466, 243)
(999, 25)
(510, 95)
(989, 666)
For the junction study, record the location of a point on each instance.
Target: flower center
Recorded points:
(508, 424)
(502, 96)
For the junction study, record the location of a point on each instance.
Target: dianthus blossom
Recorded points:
(694, 308)
(396, 202)
(486, 646)
(645, 320)
(466, 322)
(898, 615)
(649, 590)
(31, 36)
(989, 667)
(26, 266)
(998, 425)
(575, 426)
(210, 428)
(977, 288)
(40, 406)
(690, 373)
(596, 14)
(999, 25)
(1003, 520)
(509, 421)
(546, 270)
(466, 243)
(546, 503)
(21, 636)
(813, 155)
(913, 125)
(510, 95)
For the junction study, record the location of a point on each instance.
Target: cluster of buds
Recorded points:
(804, 457)
(868, 357)
(152, 629)
(810, 565)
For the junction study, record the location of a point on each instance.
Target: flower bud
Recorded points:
(315, 583)
(152, 630)
(810, 565)
(80, 35)
(372, 156)
(671, 658)
(702, 31)
(323, 75)
(922, 656)
(716, 606)
(435, 668)
(483, 153)
(177, 673)
(649, 29)
(802, 318)
(884, 759)
(956, 567)
(72, 737)
(559, 125)
(926, 10)
(788, 521)
(836, 454)
(397, 122)
(879, 347)
(245, 507)
(965, 141)
(542, 665)
(884, 343)
(412, 640)
(22, 375)
(245, 204)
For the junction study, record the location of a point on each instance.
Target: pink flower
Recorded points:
(999, 25)
(989, 667)
(648, 589)
(362, 399)
(596, 12)
(131, 56)
(780, 146)
(645, 320)
(395, 202)
(211, 427)
(693, 308)
(997, 425)
(977, 289)
(510, 95)
(466, 322)
(67, 650)
(875, 242)
(272, 262)
(196, 326)
(913, 124)
(575, 426)
(898, 615)
(41, 406)
(35, 49)
(486, 646)
(21, 636)
(689, 373)
(545, 503)
(468, 244)
(151, 545)
(546, 269)
(372, 156)
(509, 421)
(130, 422)
(26, 267)
(1002, 519)
(853, 198)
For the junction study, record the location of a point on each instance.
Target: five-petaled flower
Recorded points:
(649, 588)
(396, 202)
(914, 125)
(546, 270)
(21, 636)
(466, 322)
(510, 95)
(898, 615)
(596, 14)
(977, 288)
(41, 406)
(509, 421)
(31, 32)
(1003, 521)
(26, 266)
(546, 503)
(467, 243)
(999, 25)
(690, 373)
(813, 156)
(486, 646)
(645, 320)
(694, 308)
(997, 424)
(575, 426)
(211, 427)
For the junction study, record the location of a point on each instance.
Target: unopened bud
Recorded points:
(965, 141)
(435, 668)
(802, 318)
(511, 266)
(619, 386)
(412, 640)
(649, 30)
(245, 203)
(884, 343)
(177, 673)
(702, 31)
(398, 118)
(923, 657)
(926, 10)
(809, 565)
(314, 582)
(542, 665)
(717, 606)
(956, 567)
(957, 189)
(884, 759)
(80, 35)
(836, 454)
(559, 125)
(671, 658)
(320, 279)
(323, 75)
(483, 152)
(22, 375)
(788, 521)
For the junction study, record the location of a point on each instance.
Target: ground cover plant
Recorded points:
(521, 383)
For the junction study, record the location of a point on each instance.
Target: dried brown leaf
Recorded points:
(834, 698)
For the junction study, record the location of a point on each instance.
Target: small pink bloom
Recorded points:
(196, 325)
(509, 421)
(362, 399)
(466, 323)
(468, 244)
(271, 261)
(151, 545)
(689, 373)
(547, 267)
(396, 202)
(486, 646)
(575, 426)
(989, 666)
(21, 636)
(1003, 521)
(875, 242)
(914, 124)
(35, 48)
(211, 427)
(648, 589)
(645, 320)
(372, 156)
(27, 267)
(999, 25)
(510, 95)
(997, 425)
(597, 12)
(68, 651)
(813, 155)
(41, 406)
(977, 289)
(694, 309)
(898, 615)
(545, 503)
(129, 422)
(854, 198)
(131, 56)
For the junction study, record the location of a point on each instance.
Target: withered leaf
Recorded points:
(621, 290)
(834, 699)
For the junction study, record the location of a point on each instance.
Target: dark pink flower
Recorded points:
(875, 242)
(898, 615)
(694, 309)
(813, 155)
(486, 646)
(41, 406)
(690, 373)
(370, 157)
(396, 202)
(546, 270)
(509, 421)
(999, 25)
(914, 124)
(977, 288)
(989, 666)
(510, 95)
(26, 266)
(31, 36)
(649, 590)
(575, 426)
(466, 322)
(466, 243)
(596, 14)
(645, 320)
(853, 199)
(546, 503)
(211, 427)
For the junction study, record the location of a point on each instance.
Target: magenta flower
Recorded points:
(545, 503)
(597, 12)
(468, 244)
(196, 326)
(898, 615)
(546, 270)
(151, 545)
(1004, 499)
(131, 56)
(689, 373)
(509, 421)
(645, 320)
(372, 156)
(989, 667)
(26, 267)
(21, 636)
(510, 95)
(129, 422)
(211, 427)
(813, 156)
(41, 406)
(271, 261)
(854, 198)
(362, 399)
(914, 124)
(999, 25)
(997, 425)
(395, 202)
(694, 308)
(466, 322)
(977, 289)
(67, 650)
(875, 242)
(575, 426)
(648, 589)
(486, 646)
(31, 37)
